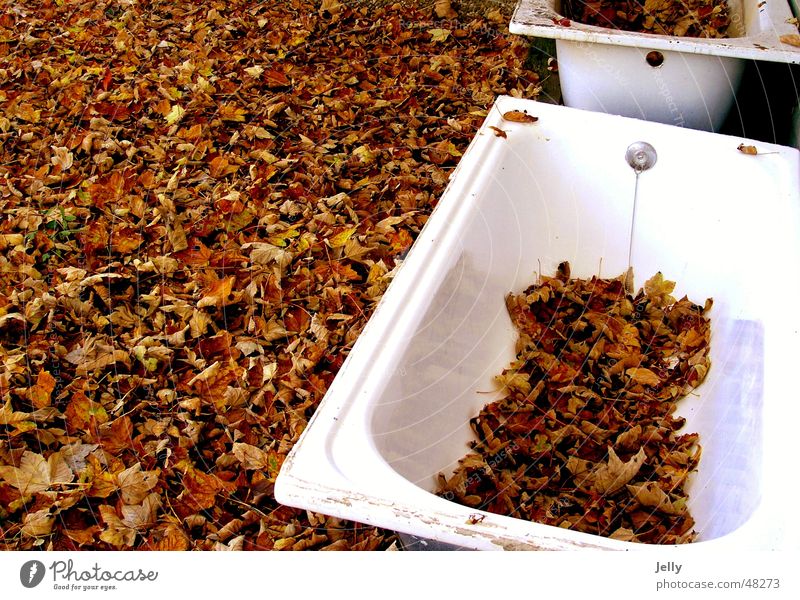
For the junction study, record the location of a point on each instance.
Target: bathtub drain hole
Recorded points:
(654, 58)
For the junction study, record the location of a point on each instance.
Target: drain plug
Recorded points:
(641, 156)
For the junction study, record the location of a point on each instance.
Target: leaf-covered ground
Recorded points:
(202, 203)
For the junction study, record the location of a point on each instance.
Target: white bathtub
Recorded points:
(721, 223)
(606, 70)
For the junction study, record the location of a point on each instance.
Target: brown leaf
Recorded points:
(332, 6)
(125, 240)
(37, 474)
(251, 457)
(172, 538)
(498, 132)
(81, 413)
(40, 393)
(792, 39)
(518, 116)
(200, 489)
(216, 291)
(220, 167)
(609, 477)
(643, 376)
(135, 484)
(752, 150)
(444, 9)
(650, 495)
(39, 523)
(117, 435)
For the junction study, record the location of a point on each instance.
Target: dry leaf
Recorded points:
(40, 393)
(615, 474)
(444, 9)
(518, 116)
(792, 39)
(650, 495)
(37, 474)
(39, 523)
(498, 132)
(643, 376)
(251, 457)
(747, 149)
(135, 484)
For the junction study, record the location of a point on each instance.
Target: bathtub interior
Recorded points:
(561, 190)
(743, 15)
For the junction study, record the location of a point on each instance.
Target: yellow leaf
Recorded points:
(364, 154)
(175, 114)
(340, 239)
(659, 289)
(439, 35)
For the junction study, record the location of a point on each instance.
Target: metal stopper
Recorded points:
(641, 156)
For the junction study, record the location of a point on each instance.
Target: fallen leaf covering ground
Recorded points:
(202, 203)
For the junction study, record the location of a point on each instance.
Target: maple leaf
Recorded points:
(216, 292)
(40, 393)
(37, 474)
(175, 114)
(39, 523)
(233, 113)
(136, 518)
(135, 484)
(659, 289)
(609, 477)
(651, 495)
(263, 253)
(251, 457)
(62, 158)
